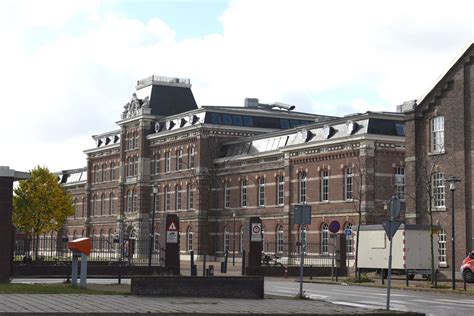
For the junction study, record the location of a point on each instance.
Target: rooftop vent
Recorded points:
(251, 102)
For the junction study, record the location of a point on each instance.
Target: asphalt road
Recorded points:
(375, 298)
(430, 303)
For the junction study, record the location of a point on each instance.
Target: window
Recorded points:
(437, 183)
(227, 119)
(243, 193)
(192, 151)
(129, 201)
(349, 245)
(102, 200)
(190, 239)
(400, 182)
(324, 185)
(348, 184)
(111, 203)
(135, 201)
(215, 118)
(135, 166)
(104, 174)
(280, 190)
(302, 188)
(248, 120)
(179, 159)
(261, 191)
(442, 258)
(279, 240)
(226, 195)
(153, 164)
(324, 238)
(237, 120)
(167, 199)
(226, 239)
(190, 197)
(112, 171)
(167, 161)
(178, 197)
(437, 134)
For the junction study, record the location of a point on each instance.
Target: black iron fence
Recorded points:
(315, 254)
(49, 249)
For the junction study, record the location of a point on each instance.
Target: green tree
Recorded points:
(40, 204)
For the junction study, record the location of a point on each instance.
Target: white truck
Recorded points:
(411, 250)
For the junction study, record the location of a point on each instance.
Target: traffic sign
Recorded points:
(395, 207)
(256, 232)
(391, 227)
(302, 214)
(334, 226)
(172, 226)
(348, 232)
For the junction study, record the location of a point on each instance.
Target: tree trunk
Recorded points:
(356, 264)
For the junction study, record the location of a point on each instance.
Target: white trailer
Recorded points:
(411, 251)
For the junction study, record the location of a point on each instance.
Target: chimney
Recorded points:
(251, 102)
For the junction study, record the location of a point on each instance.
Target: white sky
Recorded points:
(68, 67)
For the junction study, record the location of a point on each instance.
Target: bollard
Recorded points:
(225, 260)
(382, 275)
(204, 270)
(406, 277)
(311, 272)
(286, 272)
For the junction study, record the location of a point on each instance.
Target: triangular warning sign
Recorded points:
(172, 226)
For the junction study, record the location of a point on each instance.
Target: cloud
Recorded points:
(68, 68)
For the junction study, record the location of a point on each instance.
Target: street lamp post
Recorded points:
(233, 241)
(152, 227)
(452, 187)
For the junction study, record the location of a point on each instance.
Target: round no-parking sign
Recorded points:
(256, 232)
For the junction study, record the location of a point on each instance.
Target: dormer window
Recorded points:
(437, 134)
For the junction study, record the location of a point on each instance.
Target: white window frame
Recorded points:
(400, 182)
(348, 184)
(190, 201)
(303, 182)
(280, 239)
(168, 161)
(167, 199)
(243, 193)
(226, 195)
(324, 185)
(437, 134)
(325, 238)
(192, 152)
(442, 253)
(190, 239)
(280, 190)
(178, 204)
(226, 239)
(438, 190)
(261, 191)
(179, 159)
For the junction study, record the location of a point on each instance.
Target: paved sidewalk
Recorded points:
(70, 304)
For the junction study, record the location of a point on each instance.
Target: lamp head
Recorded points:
(453, 181)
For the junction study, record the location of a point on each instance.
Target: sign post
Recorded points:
(391, 226)
(334, 227)
(169, 244)
(302, 215)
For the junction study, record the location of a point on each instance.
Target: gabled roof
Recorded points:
(444, 77)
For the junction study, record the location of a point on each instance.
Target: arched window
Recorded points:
(135, 201)
(302, 187)
(349, 241)
(112, 171)
(189, 239)
(102, 201)
(279, 239)
(93, 205)
(111, 203)
(324, 238)
(437, 134)
(190, 205)
(179, 159)
(226, 239)
(178, 197)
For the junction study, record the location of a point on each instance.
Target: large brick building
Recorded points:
(440, 144)
(214, 166)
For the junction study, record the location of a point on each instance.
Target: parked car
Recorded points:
(467, 268)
